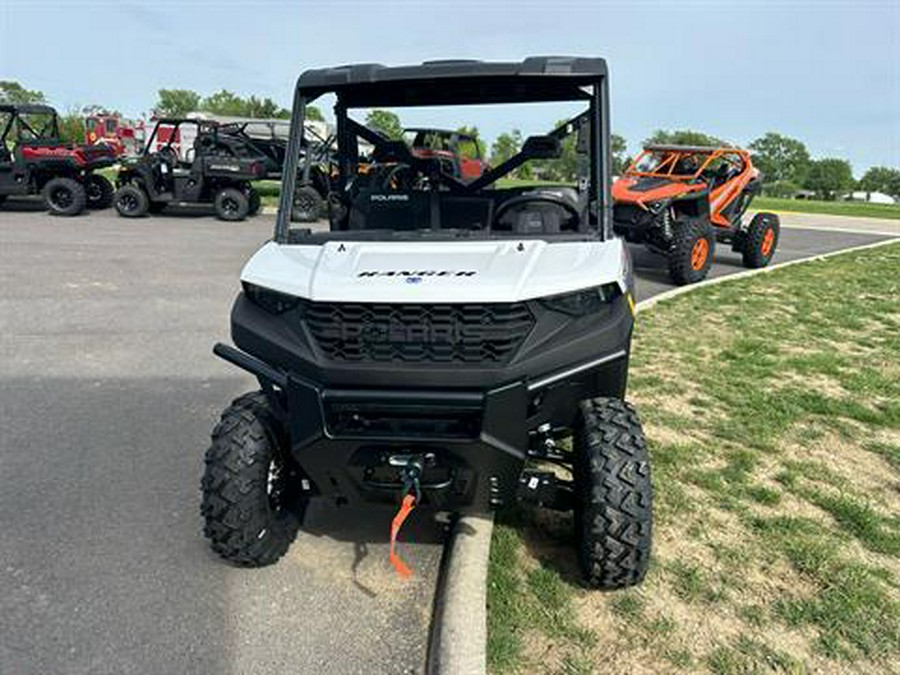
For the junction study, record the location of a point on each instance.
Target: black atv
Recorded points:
(42, 164)
(185, 161)
(265, 139)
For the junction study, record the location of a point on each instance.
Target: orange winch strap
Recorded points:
(409, 503)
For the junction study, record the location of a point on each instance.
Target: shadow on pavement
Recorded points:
(23, 204)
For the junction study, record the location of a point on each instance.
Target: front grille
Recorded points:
(440, 333)
(410, 421)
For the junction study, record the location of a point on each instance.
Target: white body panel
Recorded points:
(436, 272)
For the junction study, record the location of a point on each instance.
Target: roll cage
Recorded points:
(24, 117)
(684, 162)
(449, 83)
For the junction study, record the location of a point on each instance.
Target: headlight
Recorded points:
(269, 300)
(582, 303)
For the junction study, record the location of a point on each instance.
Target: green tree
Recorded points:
(71, 127)
(13, 92)
(784, 189)
(312, 113)
(505, 146)
(176, 102)
(683, 137)
(224, 102)
(780, 158)
(618, 146)
(467, 148)
(385, 122)
(829, 177)
(881, 179)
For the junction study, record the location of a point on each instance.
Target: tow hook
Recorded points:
(410, 469)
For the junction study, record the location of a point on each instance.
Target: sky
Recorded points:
(824, 71)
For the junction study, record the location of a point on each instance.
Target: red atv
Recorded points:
(34, 161)
(680, 200)
(460, 153)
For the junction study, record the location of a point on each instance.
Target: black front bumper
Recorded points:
(476, 442)
(468, 418)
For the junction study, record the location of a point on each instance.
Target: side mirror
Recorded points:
(542, 147)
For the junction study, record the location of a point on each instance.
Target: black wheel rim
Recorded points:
(229, 206)
(94, 193)
(128, 202)
(62, 197)
(304, 204)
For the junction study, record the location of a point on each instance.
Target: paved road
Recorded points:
(108, 394)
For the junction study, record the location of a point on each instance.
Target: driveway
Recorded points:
(109, 390)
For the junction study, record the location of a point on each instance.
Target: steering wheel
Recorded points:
(546, 198)
(169, 155)
(398, 177)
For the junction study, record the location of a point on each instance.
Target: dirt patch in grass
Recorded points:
(774, 429)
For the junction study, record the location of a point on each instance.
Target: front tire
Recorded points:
(99, 191)
(131, 201)
(252, 505)
(308, 204)
(691, 252)
(761, 240)
(231, 204)
(613, 503)
(64, 196)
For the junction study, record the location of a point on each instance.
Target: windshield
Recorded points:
(375, 175)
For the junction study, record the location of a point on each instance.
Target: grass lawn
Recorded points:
(851, 209)
(772, 409)
(269, 191)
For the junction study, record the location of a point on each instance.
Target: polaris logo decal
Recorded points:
(414, 274)
(399, 333)
(388, 198)
(224, 167)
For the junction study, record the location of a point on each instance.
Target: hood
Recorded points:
(439, 272)
(646, 189)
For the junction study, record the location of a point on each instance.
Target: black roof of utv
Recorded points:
(27, 108)
(537, 78)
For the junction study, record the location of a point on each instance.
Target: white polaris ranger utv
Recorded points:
(443, 341)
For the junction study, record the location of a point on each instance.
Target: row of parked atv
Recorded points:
(35, 161)
(678, 201)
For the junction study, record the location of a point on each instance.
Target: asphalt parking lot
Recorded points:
(109, 390)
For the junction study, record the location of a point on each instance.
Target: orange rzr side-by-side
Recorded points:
(680, 200)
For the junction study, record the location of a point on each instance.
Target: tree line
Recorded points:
(169, 103)
(787, 167)
(179, 102)
(785, 162)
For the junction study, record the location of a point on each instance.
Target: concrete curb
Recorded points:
(458, 641)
